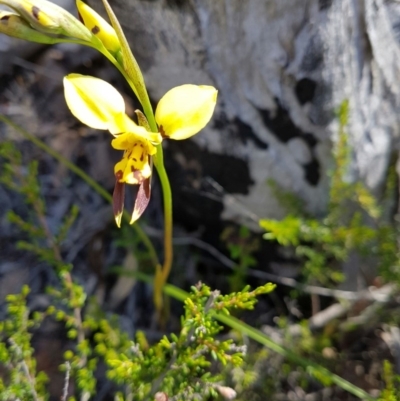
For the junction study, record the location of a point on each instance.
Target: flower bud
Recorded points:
(160, 396)
(227, 392)
(47, 17)
(185, 110)
(12, 24)
(99, 27)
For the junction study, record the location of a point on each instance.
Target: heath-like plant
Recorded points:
(354, 223)
(179, 365)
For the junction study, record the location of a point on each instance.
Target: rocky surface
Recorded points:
(282, 68)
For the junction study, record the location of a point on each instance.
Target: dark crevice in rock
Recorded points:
(310, 139)
(246, 132)
(192, 171)
(176, 4)
(312, 172)
(284, 129)
(239, 129)
(281, 125)
(324, 4)
(305, 90)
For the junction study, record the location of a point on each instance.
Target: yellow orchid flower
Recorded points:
(181, 113)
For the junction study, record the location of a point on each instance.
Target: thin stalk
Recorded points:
(25, 368)
(89, 181)
(168, 223)
(159, 164)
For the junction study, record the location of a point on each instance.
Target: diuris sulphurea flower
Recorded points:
(181, 113)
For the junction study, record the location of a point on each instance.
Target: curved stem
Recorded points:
(168, 223)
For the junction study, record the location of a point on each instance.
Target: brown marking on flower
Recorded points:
(36, 12)
(5, 18)
(162, 132)
(137, 174)
(147, 187)
(95, 30)
(142, 157)
(118, 175)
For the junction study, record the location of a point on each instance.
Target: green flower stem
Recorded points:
(92, 183)
(314, 369)
(168, 223)
(161, 279)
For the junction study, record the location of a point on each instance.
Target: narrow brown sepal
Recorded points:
(118, 198)
(142, 199)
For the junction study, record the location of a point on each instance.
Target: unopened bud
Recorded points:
(47, 17)
(13, 25)
(99, 27)
(160, 396)
(227, 392)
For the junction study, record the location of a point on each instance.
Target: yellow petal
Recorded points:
(121, 123)
(124, 141)
(185, 110)
(92, 101)
(120, 167)
(99, 27)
